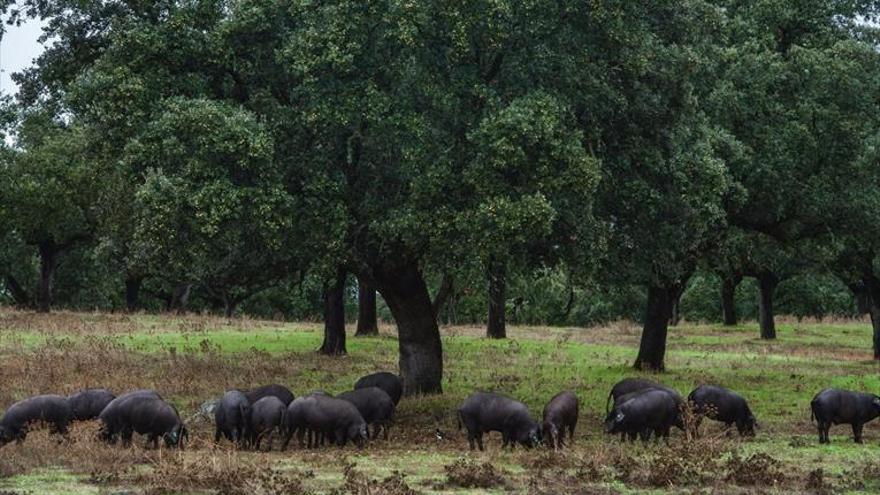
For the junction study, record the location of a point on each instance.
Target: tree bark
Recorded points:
(443, 292)
(767, 282)
(132, 293)
(18, 293)
(334, 317)
(367, 324)
(180, 298)
(496, 327)
(675, 312)
(421, 352)
(728, 299)
(652, 349)
(48, 264)
(872, 288)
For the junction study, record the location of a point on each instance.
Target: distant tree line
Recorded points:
(553, 162)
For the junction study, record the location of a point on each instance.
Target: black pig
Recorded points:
(834, 407)
(645, 412)
(725, 406)
(266, 417)
(231, 417)
(560, 413)
(376, 407)
(88, 404)
(52, 409)
(388, 382)
(485, 411)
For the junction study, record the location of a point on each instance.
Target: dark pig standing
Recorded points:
(375, 406)
(51, 409)
(231, 417)
(483, 412)
(266, 417)
(560, 413)
(723, 405)
(649, 411)
(336, 418)
(835, 407)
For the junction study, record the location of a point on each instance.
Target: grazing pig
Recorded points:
(295, 419)
(485, 411)
(632, 385)
(266, 416)
(645, 412)
(834, 407)
(560, 413)
(376, 407)
(337, 419)
(231, 417)
(154, 418)
(114, 417)
(388, 382)
(723, 405)
(52, 409)
(274, 390)
(88, 404)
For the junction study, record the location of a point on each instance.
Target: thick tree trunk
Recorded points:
(132, 293)
(48, 263)
(652, 350)
(728, 299)
(497, 277)
(421, 352)
(334, 317)
(767, 282)
(367, 324)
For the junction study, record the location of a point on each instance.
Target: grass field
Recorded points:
(193, 359)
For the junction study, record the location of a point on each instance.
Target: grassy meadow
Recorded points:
(192, 359)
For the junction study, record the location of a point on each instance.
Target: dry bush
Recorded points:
(225, 473)
(692, 462)
(467, 473)
(756, 470)
(79, 453)
(357, 483)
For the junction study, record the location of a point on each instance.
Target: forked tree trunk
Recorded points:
(767, 282)
(421, 352)
(48, 264)
(334, 317)
(366, 323)
(652, 349)
(132, 293)
(497, 277)
(728, 299)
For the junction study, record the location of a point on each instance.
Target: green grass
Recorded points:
(779, 379)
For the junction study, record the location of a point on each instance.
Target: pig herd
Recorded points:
(636, 408)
